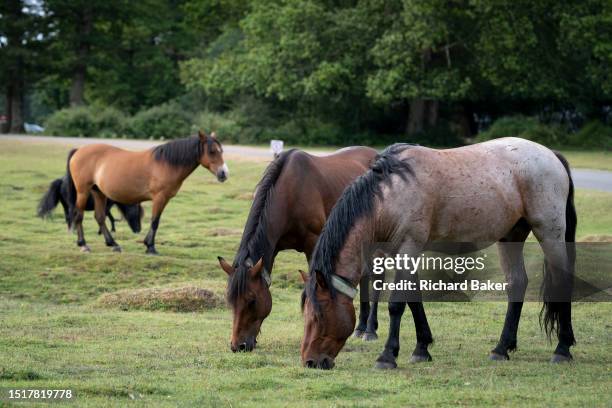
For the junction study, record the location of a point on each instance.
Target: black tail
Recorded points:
(71, 196)
(132, 214)
(550, 313)
(49, 201)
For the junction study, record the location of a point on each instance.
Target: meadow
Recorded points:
(55, 332)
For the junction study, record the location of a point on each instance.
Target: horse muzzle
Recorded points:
(223, 173)
(324, 362)
(245, 346)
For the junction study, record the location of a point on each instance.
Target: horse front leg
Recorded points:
(79, 210)
(388, 357)
(159, 203)
(372, 325)
(100, 214)
(423, 333)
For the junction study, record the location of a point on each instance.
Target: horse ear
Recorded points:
(256, 269)
(213, 135)
(202, 135)
(229, 269)
(303, 275)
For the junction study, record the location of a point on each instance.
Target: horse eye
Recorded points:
(252, 303)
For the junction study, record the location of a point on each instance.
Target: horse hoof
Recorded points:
(385, 365)
(85, 249)
(559, 358)
(151, 251)
(493, 356)
(415, 358)
(116, 248)
(358, 333)
(370, 336)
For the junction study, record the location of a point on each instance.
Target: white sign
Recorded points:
(276, 147)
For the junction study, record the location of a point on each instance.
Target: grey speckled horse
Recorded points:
(415, 197)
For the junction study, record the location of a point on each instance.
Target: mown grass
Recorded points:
(53, 334)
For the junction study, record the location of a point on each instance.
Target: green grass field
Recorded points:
(55, 334)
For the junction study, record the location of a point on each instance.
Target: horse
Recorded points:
(129, 177)
(58, 194)
(414, 197)
(291, 203)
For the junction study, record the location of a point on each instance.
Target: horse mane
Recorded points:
(254, 240)
(182, 152)
(356, 202)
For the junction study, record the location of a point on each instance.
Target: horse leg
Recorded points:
(372, 325)
(364, 309)
(159, 202)
(423, 333)
(100, 214)
(389, 355)
(110, 216)
(513, 264)
(79, 210)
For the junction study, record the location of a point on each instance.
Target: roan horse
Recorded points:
(292, 201)
(58, 194)
(132, 177)
(414, 197)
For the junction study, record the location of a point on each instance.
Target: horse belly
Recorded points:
(120, 186)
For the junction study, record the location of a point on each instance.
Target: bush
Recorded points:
(86, 121)
(593, 135)
(526, 128)
(168, 121)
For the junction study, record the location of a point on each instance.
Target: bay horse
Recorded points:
(291, 203)
(133, 177)
(415, 197)
(58, 194)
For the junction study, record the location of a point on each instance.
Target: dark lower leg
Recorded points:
(364, 311)
(78, 222)
(392, 346)
(566, 332)
(423, 332)
(111, 219)
(373, 320)
(150, 238)
(507, 340)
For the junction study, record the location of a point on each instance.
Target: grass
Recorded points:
(599, 160)
(54, 332)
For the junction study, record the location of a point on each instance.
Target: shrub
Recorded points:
(167, 121)
(527, 128)
(86, 121)
(593, 135)
(223, 124)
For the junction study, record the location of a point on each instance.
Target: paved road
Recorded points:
(583, 178)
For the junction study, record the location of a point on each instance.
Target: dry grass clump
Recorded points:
(181, 299)
(596, 238)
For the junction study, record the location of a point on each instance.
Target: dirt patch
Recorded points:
(597, 238)
(183, 299)
(224, 232)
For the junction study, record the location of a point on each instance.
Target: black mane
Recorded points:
(182, 152)
(356, 202)
(254, 243)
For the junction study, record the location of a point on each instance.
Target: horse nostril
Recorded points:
(310, 364)
(326, 364)
(242, 347)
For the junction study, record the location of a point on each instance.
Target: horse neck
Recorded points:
(348, 262)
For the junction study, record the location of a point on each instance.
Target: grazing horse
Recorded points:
(58, 194)
(292, 201)
(415, 197)
(132, 177)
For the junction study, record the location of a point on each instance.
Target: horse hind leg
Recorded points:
(100, 215)
(513, 264)
(79, 210)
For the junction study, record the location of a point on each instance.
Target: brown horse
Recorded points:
(291, 203)
(414, 198)
(132, 177)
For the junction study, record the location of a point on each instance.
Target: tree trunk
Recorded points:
(15, 105)
(77, 89)
(432, 113)
(417, 117)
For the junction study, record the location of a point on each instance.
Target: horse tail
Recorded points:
(132, 214)
(551, 310)
(71, 190)
(50, 199)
